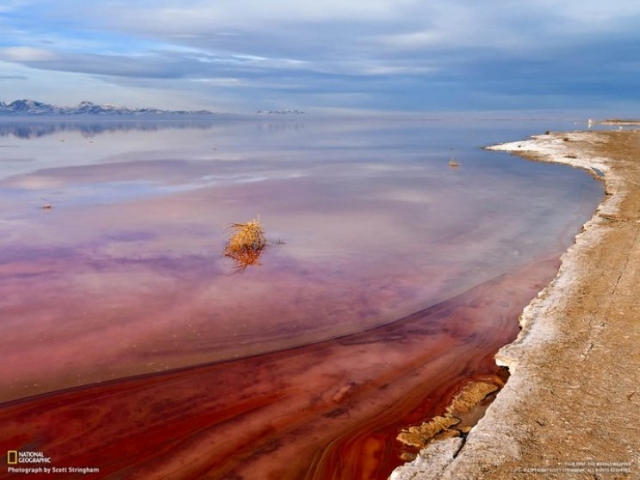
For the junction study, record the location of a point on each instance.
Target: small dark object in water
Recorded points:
(46, 206)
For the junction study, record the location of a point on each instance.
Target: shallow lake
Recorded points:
(390, 278)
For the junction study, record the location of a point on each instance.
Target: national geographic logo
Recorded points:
(15, 457)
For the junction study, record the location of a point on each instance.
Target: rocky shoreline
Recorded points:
(571, 405)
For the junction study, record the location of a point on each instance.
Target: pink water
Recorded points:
(367, 225)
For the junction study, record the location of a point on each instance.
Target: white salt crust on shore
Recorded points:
(497, 436)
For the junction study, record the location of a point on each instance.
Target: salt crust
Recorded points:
(493, 435)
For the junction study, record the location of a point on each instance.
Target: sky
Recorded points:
(325, 55)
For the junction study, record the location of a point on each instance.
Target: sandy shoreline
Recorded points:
(571, 405)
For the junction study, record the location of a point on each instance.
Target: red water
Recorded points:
(330, 410)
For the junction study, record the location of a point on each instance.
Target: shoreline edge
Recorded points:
(572, 401)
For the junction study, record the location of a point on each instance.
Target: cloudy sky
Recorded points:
(324, 55)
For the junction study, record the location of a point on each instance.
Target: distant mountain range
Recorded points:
(32, 108)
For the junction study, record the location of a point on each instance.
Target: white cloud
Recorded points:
(12, 5)
(414, 40)
(25, 54)
(206, 15)
(220, 82)
(594, 12)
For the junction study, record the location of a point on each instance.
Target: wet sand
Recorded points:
(570, 409)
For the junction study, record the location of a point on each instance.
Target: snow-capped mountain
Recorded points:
(31, 107)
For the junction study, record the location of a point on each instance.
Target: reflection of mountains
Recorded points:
(35, 129)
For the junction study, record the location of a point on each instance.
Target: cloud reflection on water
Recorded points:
(127, 270)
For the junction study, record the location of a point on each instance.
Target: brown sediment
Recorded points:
(420, 435)
(470, 397)
(462, 413)
(571, 406)
(327, 410)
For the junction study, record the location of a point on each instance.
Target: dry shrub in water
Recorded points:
(246, 243)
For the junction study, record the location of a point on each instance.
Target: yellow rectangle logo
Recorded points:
(12, 457)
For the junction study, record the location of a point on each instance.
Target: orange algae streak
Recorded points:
(329, 410)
